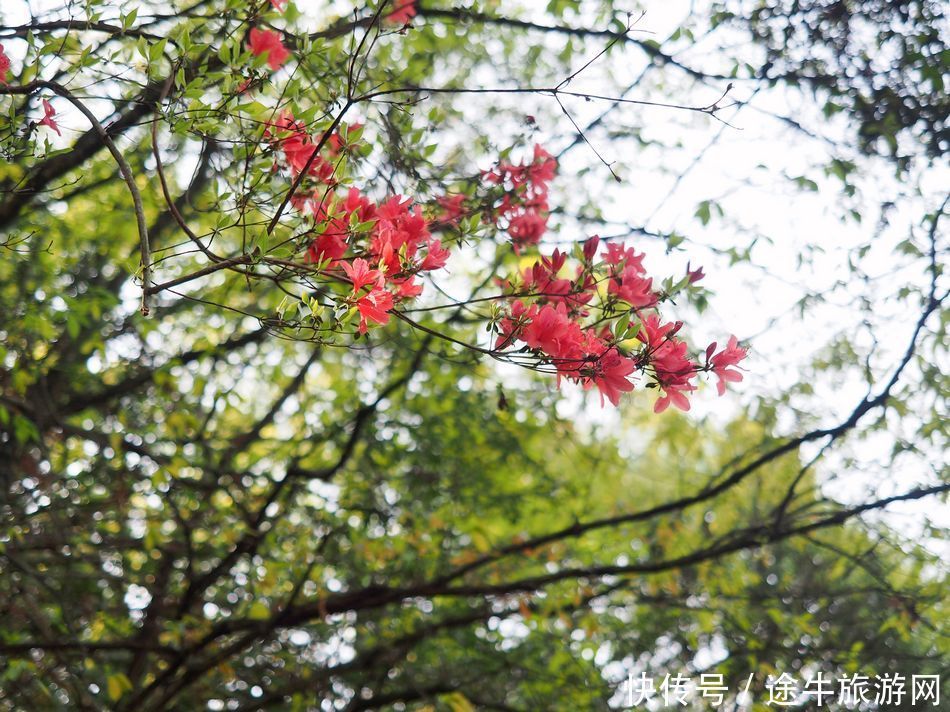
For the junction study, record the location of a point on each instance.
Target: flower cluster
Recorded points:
(291, 141)
(380, 249)
(599, 326)
(523, 209)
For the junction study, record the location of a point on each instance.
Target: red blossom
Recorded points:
(671, 365)
(633, 288)
(337, 142)
(620, 257)
(675, 396)
(328, 246)
(404, 11)
(554, 333)
(610, 374)
(374, 307)
(694, 275)
(268, 41)
(527, 229)
(48, 119)
(399, 232)
(436, 256)
(359, 273)
(590, 248)
(552, 313)
(4, 66)
(524, 207)
(452, 208)
(407, 288)
(723, 362)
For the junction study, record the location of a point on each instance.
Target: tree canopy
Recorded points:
(481, 355)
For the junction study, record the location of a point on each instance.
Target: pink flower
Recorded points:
(407, 288)
(623, 257)
(671, 365)
(374, 307)
(610, 375)
(694, 275)
(554, 333)
(48, 120)
(4, 66)
(278, 4)
(360, 274)
(452, 207)
(590, 248)
(674, 396)
(331, 245)
(634, 289)
(404, 11)
(268, 41)
(436, 257)
(527, 229)
(721, 363)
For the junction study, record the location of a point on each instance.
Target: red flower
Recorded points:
(407, 288)
(543, 168)
(436, 257)
(278, 4)
(374, 307)
(361, 275)
(4, 65)
(554, 333)
(590, 248)
(674, 396)
(48, 120)
(404, 12)
(610, 374)
(400, 230)
(623, 257)
(331, 245)
(671, 365)
(268, 41)
(634, 289)
(721, 362)
(527, 229)
(452, 207)
(511, 326)
(694, 275)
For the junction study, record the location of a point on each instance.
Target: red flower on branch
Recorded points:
(4, 66)
(694, 275)
(48, 120)
(610, 373)
(374, 307)
(723, 363)
(453, 208)
(268, 42)
(403, 13)
(361, 275)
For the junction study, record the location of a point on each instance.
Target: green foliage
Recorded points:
(213, 506)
